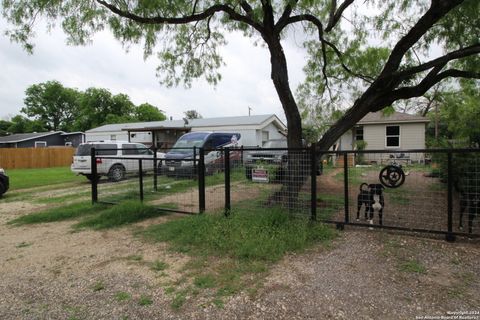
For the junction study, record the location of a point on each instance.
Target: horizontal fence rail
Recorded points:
(30, 158)
(429, 190)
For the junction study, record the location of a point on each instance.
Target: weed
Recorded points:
(159, 265)
(412, 266)
(204, 281)
(179, 299)
(145, 300)
(122, 296)
(135, 257)
(169, 290)
(23, 244)
(98, 286)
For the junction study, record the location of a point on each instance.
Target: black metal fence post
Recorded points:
(201, 181)
(93, 172)
(450, 237)
(155, 169)
(345, 187)
(194, 159)
(227, 181)
(140, 178)
(313, 177)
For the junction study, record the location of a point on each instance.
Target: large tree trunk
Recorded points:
(298, 169)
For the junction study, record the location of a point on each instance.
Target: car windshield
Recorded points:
(188, 141)
(275, 144)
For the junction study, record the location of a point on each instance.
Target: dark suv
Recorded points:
(4, 182)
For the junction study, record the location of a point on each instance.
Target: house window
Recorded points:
(113, 137)
(265, 136)
(392, 136)
(40, 144)
(358, 133)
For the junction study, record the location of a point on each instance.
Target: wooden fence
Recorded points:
(23, 158)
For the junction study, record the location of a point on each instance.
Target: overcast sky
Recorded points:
(105, 64)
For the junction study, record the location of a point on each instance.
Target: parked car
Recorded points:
(116, 168)
(274, 155)
(179, 160)
(4, 182)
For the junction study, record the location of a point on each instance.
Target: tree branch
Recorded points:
(335, 14)
(438, 9)
(185, 19)
(429, 81)
(285, 15)
(461, 53)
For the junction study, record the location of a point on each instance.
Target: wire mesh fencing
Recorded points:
(434, 191)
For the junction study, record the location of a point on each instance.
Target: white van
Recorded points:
(115, 169)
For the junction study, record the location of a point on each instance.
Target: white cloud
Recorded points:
(245, 78)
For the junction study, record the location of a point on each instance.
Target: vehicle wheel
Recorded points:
(2, 189)
(91, 178)
(116, 173)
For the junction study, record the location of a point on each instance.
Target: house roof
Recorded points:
(397, 117)
(19, 137)
(197, 123)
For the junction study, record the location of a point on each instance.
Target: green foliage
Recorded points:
(124, 213)
(67, 212)
(147, 112)
(20, 124)
(192, 114)
(252, 235)
(52, 104)
(30, 178)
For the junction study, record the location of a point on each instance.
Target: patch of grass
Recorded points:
(67, 212)
(179, 299)
(204, 281)
(23, 244)
(159, 265)
(145, 300)
(119, 215)
(412, 266)
(98, 286)
(122, 296)
(328, 205)
(135, 257)
(398, 196)
(30, 178)
(257, 234)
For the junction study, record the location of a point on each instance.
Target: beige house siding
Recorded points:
(412, 136)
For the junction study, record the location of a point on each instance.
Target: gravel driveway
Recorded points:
(48, 272)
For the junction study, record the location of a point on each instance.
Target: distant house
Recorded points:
(42, 139)
(254, 130)
(399, 131)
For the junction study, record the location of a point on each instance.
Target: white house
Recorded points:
(254, 130)
(399, 131)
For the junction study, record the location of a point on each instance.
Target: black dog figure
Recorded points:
(373, 200)
(470, 201)
(363, 198)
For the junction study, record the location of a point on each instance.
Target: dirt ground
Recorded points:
(49, 272)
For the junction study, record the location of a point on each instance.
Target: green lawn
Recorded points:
(28, 178)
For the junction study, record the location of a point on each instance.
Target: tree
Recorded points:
(191, 33)
(192, 114)
(51, 103)
(98, 107)
(148, 112)
(20, 124)
(344, 62)
(4, 125)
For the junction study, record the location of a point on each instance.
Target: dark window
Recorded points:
(359, 134)
(392, 134)
(84, 149)
(129, 149)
